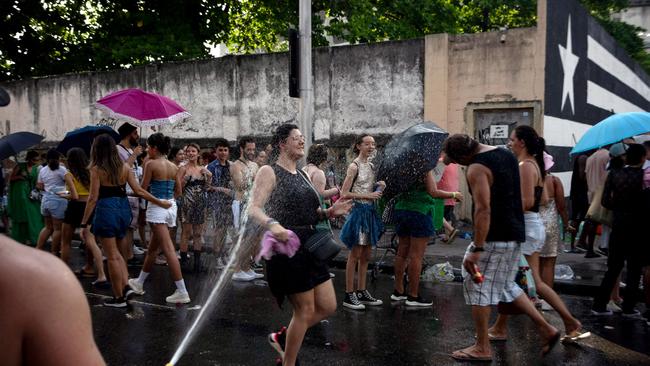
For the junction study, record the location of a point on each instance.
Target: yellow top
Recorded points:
(82, 191)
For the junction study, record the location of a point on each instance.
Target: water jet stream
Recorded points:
(211, 301)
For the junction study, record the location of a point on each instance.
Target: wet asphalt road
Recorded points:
(235, 332)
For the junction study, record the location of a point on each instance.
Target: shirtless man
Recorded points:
(36, 332)
(243, 172)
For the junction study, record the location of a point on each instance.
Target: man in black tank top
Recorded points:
(493, 178)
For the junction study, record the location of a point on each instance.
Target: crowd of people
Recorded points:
(125, 186)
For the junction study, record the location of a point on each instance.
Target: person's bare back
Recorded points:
(45, 317)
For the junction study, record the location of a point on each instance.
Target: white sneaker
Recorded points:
(161, 260)
(137, 250)
(613, 307)
(137, 287)
(242, 276)
(255, 275)
(178, 297)
(221, 264)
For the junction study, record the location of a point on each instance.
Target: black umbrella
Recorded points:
(409, 156)
(4, 98)
(83, 138)
(14, 143)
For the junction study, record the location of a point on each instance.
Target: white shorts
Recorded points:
(535, 234)
(236, 211)
(159, 215)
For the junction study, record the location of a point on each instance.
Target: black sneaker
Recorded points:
(127, 292)
(365, 298)
(277, 340)
(352, 302)
(417, 302)
(635, 314)
(396, 296)
(592, 255)
(116, 302)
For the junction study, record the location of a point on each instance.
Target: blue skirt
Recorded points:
(363, 219)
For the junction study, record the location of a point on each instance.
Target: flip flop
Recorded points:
(575, 336)
(550, 344)
(467, 357)
(494, 338)
(84, 274)
(101, 284)
(452, 236)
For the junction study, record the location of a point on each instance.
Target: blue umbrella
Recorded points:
(613, 129)
(14, 143)
(83, 138)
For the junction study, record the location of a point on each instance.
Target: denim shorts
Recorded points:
(54, 206)
(112, 217)
(413, 224)
(535, 233)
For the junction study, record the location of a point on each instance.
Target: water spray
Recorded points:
(216, 290)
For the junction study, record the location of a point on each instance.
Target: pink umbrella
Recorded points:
(141, 108)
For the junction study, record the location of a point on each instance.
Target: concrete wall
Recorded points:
(464, 73)
(480, 68)
(375, 88)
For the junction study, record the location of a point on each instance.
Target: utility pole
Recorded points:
(306, 111)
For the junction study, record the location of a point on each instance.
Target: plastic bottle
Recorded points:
(330, 178)
(477, 277)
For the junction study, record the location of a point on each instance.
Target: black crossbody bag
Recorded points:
(321, 244)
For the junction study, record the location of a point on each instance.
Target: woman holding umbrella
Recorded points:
(414, 224)
(363, 226)
(108, 178)
(25, 213)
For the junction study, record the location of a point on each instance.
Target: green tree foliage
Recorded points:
(44, 37)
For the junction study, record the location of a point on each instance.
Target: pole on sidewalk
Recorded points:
(306, 111)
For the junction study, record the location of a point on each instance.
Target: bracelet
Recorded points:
(453, 195)
(270, 222)
(83, 226)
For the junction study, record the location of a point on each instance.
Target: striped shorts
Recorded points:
(499, 265)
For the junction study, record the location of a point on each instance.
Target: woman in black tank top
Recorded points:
(283, 199)
(529, 149)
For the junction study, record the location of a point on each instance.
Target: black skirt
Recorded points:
(300, 273)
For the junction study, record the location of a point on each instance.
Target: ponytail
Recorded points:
(534, 144)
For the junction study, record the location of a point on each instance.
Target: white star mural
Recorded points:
(569, 64)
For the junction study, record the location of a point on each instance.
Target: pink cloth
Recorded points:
(548, 161)
(272, 246)
(449, 182)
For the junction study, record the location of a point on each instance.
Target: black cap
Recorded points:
(126, 129)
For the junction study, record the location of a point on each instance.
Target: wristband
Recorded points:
(270, 222)
(453, 195)
(83, 226)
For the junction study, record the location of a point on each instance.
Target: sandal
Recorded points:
(84, 274)
(452, 236)
(463, 356)
(575, 336)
